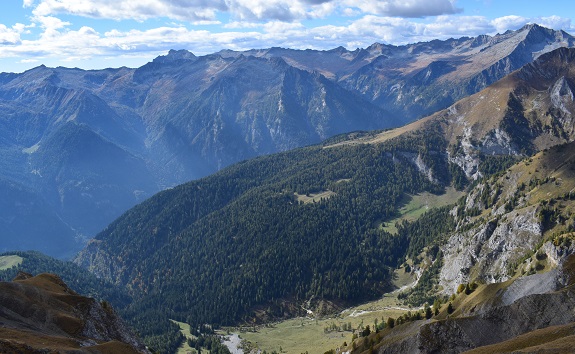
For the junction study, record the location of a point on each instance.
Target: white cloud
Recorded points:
(505, 23)
(280, 10)
(185, 10)
(242, 24)
(26, 61)
(349, 12)
(245, 10)
(323, 10)
(283, 27)
(283, 10)
(11, 35)
(405, 8)
(206, 23)
(460, 26)
(556, 23)
(191, 10)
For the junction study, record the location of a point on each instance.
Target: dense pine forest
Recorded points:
(224, 243)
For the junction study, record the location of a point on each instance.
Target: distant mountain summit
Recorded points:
(174, 56)
(415, 80)
(79, 147)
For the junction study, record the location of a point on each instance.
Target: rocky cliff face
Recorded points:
(41, 314)
(488, 252)
(506, 219)
(519, 312)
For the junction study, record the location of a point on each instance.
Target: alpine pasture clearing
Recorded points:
(314, 197)
(185, 329)
(7, 262)
(309, 334)
(418, 204)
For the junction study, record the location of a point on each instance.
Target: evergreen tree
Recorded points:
(450, 308)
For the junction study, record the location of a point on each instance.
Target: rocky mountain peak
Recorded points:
(480, 40)
(549, 65)
(175, 55)
(533, 27)
(339, 50)
(539, 34)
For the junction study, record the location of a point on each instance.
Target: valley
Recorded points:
(290, 211)
(321, 333)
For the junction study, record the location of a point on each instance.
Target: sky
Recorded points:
(96, 34)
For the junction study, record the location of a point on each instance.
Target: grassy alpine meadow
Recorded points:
(418, 204)
(313, 197)
(317, 335)
(7, 262)
(185, 329)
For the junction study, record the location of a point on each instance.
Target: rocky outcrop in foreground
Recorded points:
(42, 314)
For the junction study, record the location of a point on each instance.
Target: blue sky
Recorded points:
(111, 33)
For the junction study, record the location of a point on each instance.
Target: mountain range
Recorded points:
(474, 202)
(81, 147)
(271, 233)
(415, 80)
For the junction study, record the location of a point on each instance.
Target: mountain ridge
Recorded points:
(465, 65)
(182, 116)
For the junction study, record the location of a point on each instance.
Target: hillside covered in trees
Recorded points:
(269, 233)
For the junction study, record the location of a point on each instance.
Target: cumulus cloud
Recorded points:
(188, 10)
(249, 10)
(512, 22)
(191, 10)
(406, 8)
(11, 35)
(460, 26)
(282, 10)
(556, 23)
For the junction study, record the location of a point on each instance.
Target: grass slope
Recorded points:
(553, 339)
(185, 330)
(7, 262)
(303, 334)
(418, 204)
